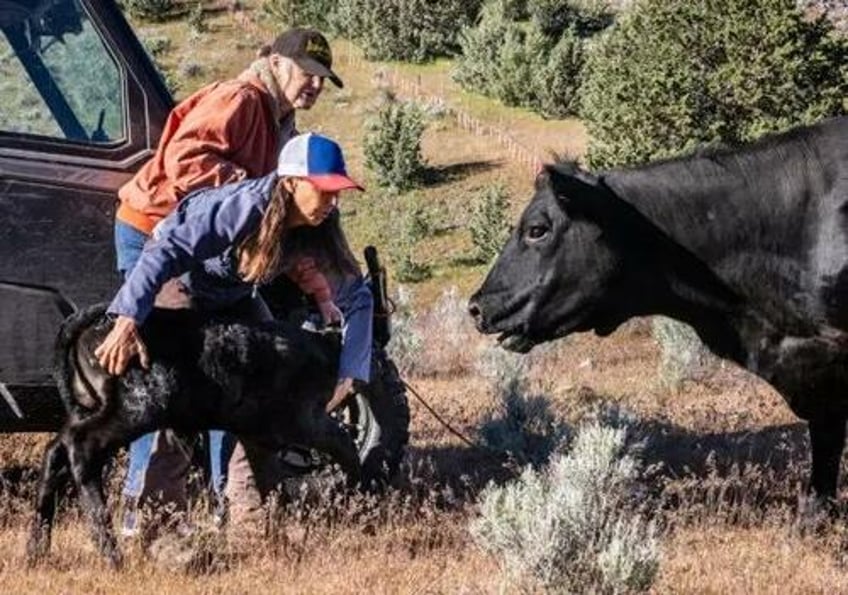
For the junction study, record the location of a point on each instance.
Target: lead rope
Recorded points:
(496, 454)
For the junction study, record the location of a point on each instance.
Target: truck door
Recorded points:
(81, 108)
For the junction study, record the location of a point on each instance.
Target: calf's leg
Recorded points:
(55, 473)
(326, 435)
(87, 458)
(827, 438)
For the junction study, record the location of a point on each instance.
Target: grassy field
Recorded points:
(734, 459)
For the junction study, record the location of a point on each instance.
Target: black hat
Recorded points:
(309, 50)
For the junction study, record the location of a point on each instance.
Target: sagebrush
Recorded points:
(572, 527)
(682, 354)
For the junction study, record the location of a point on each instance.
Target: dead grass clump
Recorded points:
(573, 527)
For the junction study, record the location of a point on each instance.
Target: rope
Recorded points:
(496, 454)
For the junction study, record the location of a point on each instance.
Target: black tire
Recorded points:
(384, 403)
(377, 416)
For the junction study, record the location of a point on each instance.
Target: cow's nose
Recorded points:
(474, 311)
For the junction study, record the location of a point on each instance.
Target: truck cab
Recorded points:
(81, 108)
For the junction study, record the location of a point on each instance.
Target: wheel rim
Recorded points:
(354, 417)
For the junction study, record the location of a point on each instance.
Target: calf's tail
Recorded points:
(83, 386)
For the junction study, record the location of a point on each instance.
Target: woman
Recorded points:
(225, 132)
(227, 241)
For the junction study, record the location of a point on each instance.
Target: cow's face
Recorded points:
(552, 276)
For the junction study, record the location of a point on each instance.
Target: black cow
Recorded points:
(748, 246)
(268, 382)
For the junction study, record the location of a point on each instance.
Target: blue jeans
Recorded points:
(129, 243)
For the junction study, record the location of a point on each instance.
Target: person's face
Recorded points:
(299, 88)
(311, 205)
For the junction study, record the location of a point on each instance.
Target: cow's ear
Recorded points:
(572, 185)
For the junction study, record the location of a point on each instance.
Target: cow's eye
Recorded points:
(537, 232)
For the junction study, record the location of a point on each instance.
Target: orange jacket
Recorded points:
(223, 133)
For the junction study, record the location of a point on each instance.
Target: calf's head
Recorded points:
(554, 275)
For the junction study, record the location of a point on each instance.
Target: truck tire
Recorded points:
(377, 416)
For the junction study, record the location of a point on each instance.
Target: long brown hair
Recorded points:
(260, 253)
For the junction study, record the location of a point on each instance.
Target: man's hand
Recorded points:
(121, 345)
(344, 388)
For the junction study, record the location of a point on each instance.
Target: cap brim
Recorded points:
(333, 183)
(315, 67)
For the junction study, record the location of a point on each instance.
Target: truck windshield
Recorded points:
(57, 76)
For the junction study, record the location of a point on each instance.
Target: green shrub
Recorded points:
(150, 10)
(317, 14)
(674, 74)
(406, 342)
(410, 229)
(553, 17)
(499, 57)
(157, 46)
(410, 30)
(556, 80)
(571, 528)
(392, 144)
(522, 52)
(481, 48)
(489, 223)
(518, 64)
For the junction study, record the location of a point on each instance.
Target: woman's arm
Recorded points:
(212, 225)
(357, 304)
(206, 226)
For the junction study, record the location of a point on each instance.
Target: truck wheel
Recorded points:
(378, 419)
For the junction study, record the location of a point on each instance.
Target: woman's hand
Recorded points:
(330, 313)
(122, 344)
(344, 388)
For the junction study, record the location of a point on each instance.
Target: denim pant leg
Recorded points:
(221, 446)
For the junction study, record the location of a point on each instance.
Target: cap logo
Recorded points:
(318, 49)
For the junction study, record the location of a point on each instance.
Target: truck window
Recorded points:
(57, 77)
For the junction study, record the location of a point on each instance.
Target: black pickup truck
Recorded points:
(81, 108)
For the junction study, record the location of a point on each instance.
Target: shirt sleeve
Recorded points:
(357, 304)
(199, 234)
(198, 154)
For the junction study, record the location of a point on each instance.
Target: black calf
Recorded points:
(266, 382)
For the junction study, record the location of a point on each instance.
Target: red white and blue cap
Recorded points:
(318, 159)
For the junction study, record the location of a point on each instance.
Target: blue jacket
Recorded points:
(197, 241)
